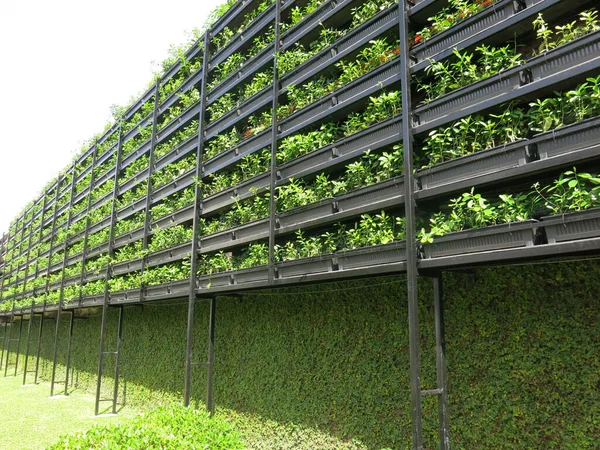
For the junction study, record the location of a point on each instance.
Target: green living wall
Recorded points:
(523, 357)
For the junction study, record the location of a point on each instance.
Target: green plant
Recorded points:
(572, 191)
(563, 34)
(169, 237)
(467, 68)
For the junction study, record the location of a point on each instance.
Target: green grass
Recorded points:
(31, 419)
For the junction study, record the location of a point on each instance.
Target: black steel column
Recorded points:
(12, 323)
(195, 238)
(19, 344)
(62, 280)
(147, 218)
(440, 346)
(118, 361)
(4, 340)
(211, 356)
(274, 136)
(108, 273)
(50, 252)
(87, 222)
(71, 322)
(411, 249)
(32, 316)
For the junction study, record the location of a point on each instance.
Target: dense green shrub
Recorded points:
(167, 427)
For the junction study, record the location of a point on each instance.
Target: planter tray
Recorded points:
(371, 198)
(107, 154)
(241, 112)
(244, 190)
(339, 101)
(193, 112)
(244, 38)
(377, 136)
(109, 174)
(172, 254)
(124, 267)
(168, 290)
(567, 145)
(493, 90)
(92, 300)
(234, 154)
(242, 75)
(423, 9)
(305, 266)
(177, 153)
(134, 181)
(136, 154)
(128, 237)
(129, 296)
(496, 237)
(355, 39)
(495, 20)
(131, 209)
(249, 232)
(244, 277)
(173, 97)
(181, 183)
(308, 28)
(137, 105)
(135, 130)
(572, 226)
(175, 218)
(233, 16)
(190, 54)
(99, 225)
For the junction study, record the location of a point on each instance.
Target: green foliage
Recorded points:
(167, 427)
(467, 68)
(563, 34)
(458, 11)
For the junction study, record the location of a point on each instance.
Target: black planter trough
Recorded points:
(495, 237)
(572, 226)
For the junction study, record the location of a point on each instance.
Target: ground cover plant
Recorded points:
(164, 427)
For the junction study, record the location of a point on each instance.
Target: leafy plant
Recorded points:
(563, 34)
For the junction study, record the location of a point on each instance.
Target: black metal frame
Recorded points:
(519, 160)
(108, 274)
(189, 362)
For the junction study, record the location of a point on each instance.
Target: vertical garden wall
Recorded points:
(307, 141)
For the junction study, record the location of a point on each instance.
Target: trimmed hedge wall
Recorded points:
(523, 357)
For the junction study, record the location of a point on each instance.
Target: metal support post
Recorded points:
(62, 282)
(18, 345)
(440, 346)
(108, 274)
(4, 341)
(87, 221)
(147, 217)
(12, 318)
(69, 351)
(411, 249)
(31, 317)
(274, 137)
(211, 356)
(195, 238)
(39, 349)
(118, 361)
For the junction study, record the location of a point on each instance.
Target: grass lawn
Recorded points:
(31, 419)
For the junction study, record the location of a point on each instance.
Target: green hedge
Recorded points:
(523, 357)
